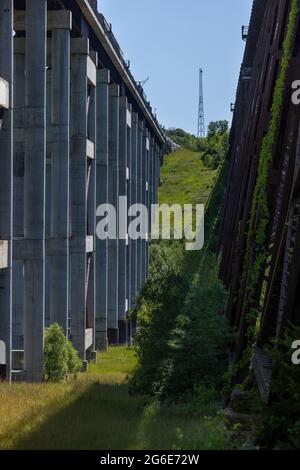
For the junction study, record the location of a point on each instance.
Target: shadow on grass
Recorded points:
(103, 417)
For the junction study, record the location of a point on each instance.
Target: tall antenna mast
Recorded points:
(201, 124)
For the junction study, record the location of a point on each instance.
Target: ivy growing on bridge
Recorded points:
(258, 226)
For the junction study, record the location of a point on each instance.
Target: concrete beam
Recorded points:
(4, 94)
(3, 254)
(90, 149)
(56, 19)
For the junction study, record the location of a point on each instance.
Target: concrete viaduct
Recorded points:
(76, 131)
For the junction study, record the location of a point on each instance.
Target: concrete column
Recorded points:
(48, 184)
(145, 156)
(129, 204)
(18, 190)
(151, 181)
(113, 197)
(78, 194)
(123, 207)
(91, 214)
(60, 164)
(34, 187)
(157, 172)
(139, 200)
(148, 197)
(134, 195)
(6, 184)
(103, 79)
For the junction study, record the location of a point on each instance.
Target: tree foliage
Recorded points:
(213, 148)
(60, 358)
(281, 424)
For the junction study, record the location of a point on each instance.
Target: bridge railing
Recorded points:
(114, 43)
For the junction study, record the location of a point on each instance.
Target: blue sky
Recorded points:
(168, 40)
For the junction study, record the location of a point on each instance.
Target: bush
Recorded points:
(211, 434)
(160, 303)
(198, 343)
(281, 426)
(74, 363)
(182, 336)
(60, 358)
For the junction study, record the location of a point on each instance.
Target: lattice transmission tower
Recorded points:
(201, 122)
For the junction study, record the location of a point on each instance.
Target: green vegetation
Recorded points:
(281, 425)
(258, 226)
(185, 179)
(61, 359)
(181, 343)
(180, 137)
(213, 148)
(96, 412)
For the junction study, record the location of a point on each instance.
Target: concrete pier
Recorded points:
(6, 178)
(75, 133)
(129, 204)
(91, 207)
(134, 199)
(145, 160)
(124, 136)
(140, 155)
(83, 79)
(60, 183)
(103, 80)
(18, 192)
(34, 188)
(113, 199)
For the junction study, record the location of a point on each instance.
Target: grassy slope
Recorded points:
(185, 180)
(96, 412)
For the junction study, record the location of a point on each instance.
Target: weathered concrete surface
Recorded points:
(113, 199)
(34, 187)
(60, 181)
(103, 79)
(73, 141)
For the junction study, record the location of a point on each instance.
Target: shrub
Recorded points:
(74, 362)
(160, 303)
(211, 434)
(198, 343)
(281, 427)
(60, 358)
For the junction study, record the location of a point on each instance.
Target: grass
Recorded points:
(185, 179)
(96, 412)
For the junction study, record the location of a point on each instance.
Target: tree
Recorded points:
(217, 128)
(61, 359)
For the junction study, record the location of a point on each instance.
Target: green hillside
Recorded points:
(185, 179)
